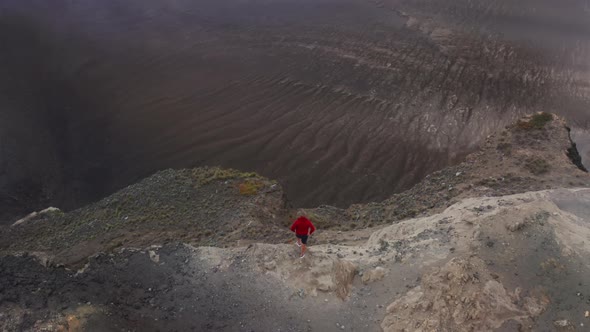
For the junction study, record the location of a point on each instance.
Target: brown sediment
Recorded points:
(341, 101)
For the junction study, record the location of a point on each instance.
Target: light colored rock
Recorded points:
(35, 214)
(460, 296)
(25, 219)
(535, 307)
(43, 258)
(516, 226)
(342, 277)
(373, 275)
(154, 257)
(270, 265)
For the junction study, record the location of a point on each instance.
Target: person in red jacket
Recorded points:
(303, 228)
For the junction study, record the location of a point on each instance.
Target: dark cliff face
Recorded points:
(50, 139)
(573, 154)
(342, 101)
(28, 155)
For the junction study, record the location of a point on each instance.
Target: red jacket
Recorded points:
(302, 225)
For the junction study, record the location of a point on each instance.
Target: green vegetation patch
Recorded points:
(537, 121)
(250, 187)
(383, 245)
(207, 175)
(537, 166)
(505, 148)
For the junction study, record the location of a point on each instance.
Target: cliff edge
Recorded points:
(500, 242)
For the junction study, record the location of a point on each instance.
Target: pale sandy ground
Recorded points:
(501, 263)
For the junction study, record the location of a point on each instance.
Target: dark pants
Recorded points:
(303, 238)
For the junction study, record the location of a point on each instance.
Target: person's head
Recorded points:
(296, 214)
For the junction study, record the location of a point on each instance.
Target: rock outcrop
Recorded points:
(208, 249)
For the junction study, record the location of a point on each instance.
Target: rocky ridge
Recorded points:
(499, 242)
